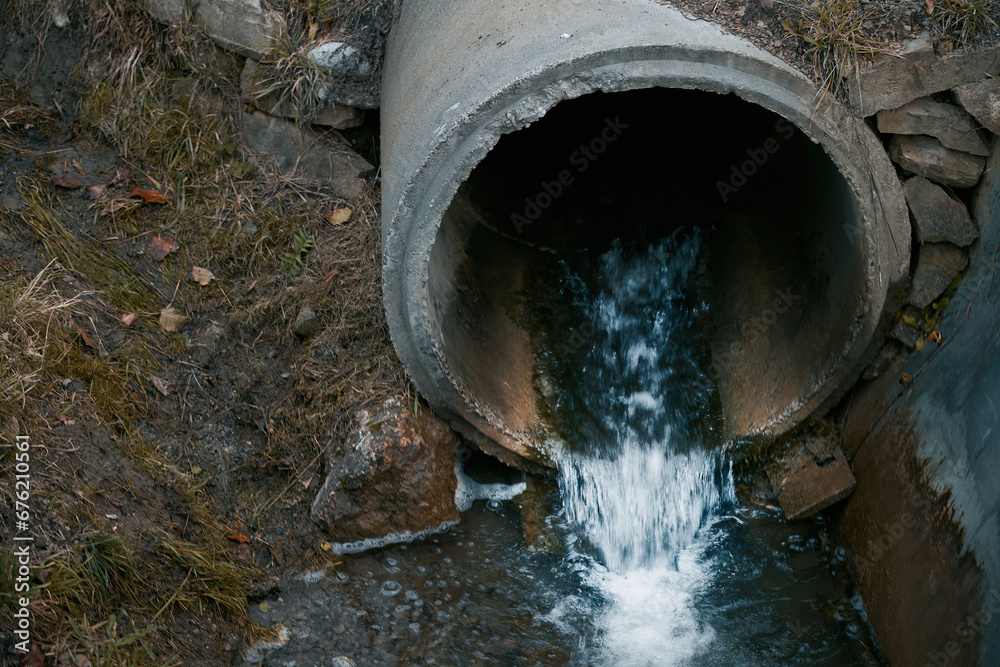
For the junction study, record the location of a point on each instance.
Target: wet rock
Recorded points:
(909, 328)
(536, 504)
(937, 264)
(928, 157)
(884, 360)
(938, 217)
(982, 100)
(332, 114)
(948, 123)
(242, 26)
(306, 322)
(812, 476)
(302, 152)
(396, 477)
(916, 72)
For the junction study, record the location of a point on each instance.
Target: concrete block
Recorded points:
(813, 476)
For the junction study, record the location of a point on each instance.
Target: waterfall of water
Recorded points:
(638, 478)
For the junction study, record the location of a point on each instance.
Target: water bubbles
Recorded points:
(391, 565)
(421, 569)
(437, 550)
(493, 505)
(447, 560)
(411, 595)
(390, 587)
(342, 577)
(414, 627)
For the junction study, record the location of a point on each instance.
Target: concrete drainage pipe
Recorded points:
(514, 130)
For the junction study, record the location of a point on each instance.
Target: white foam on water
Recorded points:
(469, 490)
(639, 499)
(650, 619)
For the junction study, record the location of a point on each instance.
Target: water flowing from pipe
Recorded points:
(639, 476)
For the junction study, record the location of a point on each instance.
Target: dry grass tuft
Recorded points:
(965, 19)
(836, 39)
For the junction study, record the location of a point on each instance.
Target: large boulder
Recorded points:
(395, 479)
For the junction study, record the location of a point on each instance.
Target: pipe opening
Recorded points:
(784, 276)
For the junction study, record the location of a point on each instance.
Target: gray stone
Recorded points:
(982, 100)
(916, 72)
(337, 57)
(886, 358)
(813, 476)
(937, 264)
(928, 157)
(948, 123)
(235, 25)
(331, 114)
(905, 332)
(303, 152)
(395, 479)
(306, 322)
(938, 217)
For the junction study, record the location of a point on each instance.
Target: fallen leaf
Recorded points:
(325, 546)
(84, 336)
(930, 6)
(66, 420)
(161, 246)
(129, 318)
(96, 191)
(237, 534)
(330, 275)
(79, 167)
(33, 658)
(201, 275)
(907, 378)
(171, 320)
(161, 385)
(195, 470)
(919, 345)
(149, 196)
(935, 336)
(339, 216)
(65, 182)
(116, 205)
(910, 319)
(263, 606)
